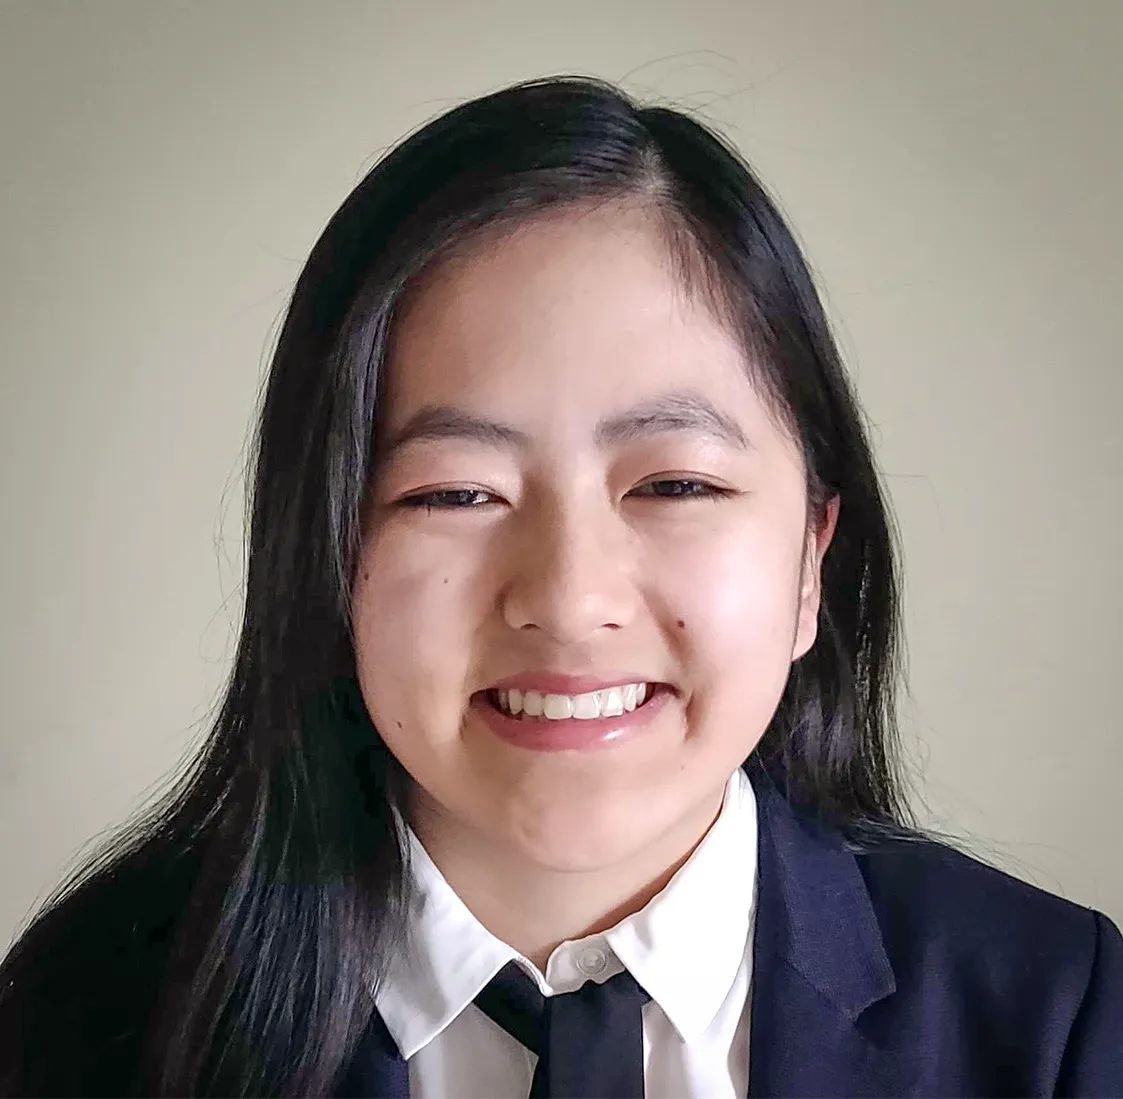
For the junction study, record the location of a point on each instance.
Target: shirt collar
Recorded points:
(447, 958)
(685, 947)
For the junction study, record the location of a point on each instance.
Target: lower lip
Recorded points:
(572, 734)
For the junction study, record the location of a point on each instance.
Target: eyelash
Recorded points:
(437, 501)
(707, 491)
(697, 490)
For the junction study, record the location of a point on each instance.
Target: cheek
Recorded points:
(416, 614)
(733, 598)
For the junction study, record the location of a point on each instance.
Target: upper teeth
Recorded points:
(611, 702)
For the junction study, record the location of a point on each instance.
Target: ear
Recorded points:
(811, 581)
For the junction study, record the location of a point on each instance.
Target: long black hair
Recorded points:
(274, 874)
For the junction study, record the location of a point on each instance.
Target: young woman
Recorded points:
(558, 756)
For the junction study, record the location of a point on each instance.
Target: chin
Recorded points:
(580, 838)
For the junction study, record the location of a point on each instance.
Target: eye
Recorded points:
(450, 499)
(678, 488)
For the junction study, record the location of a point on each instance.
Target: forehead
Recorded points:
(568, 315)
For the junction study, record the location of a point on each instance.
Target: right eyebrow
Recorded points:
(446, 422)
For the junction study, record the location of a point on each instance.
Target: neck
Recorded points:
(534, 908)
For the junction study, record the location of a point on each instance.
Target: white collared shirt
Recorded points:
(690, 947)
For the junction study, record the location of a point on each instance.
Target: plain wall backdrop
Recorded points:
(953, 167)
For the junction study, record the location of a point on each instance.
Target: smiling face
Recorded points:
(580, 488)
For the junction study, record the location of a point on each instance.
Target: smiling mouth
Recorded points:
(540, 706)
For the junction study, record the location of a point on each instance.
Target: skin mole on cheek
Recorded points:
(681, 624)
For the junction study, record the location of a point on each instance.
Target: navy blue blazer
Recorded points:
(912, 971)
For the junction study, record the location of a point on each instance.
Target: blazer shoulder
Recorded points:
(77, 986)
(942, 910)
(1025, 983)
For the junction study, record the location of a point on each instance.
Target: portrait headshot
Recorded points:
(562, 551)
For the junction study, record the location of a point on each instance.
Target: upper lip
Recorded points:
(556, 683)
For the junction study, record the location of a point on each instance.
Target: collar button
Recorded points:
(591, 961)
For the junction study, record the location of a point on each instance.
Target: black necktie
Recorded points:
(589, 1042)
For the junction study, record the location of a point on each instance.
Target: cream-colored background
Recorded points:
(955, 170)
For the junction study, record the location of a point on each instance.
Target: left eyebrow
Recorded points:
(679, 411)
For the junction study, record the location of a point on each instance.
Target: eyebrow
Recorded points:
(681, 411)
(669, 412)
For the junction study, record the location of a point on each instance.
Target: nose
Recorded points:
(570, 575)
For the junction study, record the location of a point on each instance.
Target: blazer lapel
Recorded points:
(377, 1071)
(818, 963)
